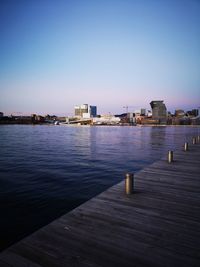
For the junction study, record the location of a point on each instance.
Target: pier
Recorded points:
(157, 225)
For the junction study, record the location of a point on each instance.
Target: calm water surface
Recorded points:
(45, 171)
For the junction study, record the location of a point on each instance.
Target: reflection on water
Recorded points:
(47, 170)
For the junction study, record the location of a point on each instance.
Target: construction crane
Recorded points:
(127, 107)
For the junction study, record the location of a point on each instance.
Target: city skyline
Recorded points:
(56, 54)
(126, 110)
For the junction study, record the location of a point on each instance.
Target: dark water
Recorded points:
(46, 171)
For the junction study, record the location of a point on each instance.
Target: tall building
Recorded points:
(79, 110)
(195, 112)
(93, 111)
(159, 111)
(85, 111)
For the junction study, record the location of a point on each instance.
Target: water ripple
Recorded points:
(46, 171)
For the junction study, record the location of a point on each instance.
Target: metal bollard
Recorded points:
(186, 146)
(129, 183)
(170, 156)
(194, 141)
(198, 138)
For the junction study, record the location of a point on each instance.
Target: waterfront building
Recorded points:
(106, 120)
(85, 111)
(149, 113)
(131, 117)
(79, 110)
(195, 120)
(93, 111)
(1, 114)
(36, 118)
(159, 111)
(143, 112)
(179, 113)
(195, 112)
(137, 113)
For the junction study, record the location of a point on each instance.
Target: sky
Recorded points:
(55, 54)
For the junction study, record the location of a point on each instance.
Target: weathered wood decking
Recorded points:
(159, 225)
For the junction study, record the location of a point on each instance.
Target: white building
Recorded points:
(85, 111)
(106, 119)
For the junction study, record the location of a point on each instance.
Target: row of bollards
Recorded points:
(129, 177)
(195, 140)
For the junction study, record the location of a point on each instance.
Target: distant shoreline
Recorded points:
(107, 125)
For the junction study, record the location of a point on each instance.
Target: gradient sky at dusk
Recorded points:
(110, 53)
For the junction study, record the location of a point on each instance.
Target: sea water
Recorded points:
(47, 170)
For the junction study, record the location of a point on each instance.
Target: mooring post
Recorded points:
(129, 183)
(194, 141)
(170, 156)
(186, 146)
(198, 138)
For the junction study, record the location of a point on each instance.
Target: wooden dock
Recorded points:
(158, 225)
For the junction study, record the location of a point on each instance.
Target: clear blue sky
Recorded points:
(110, 53)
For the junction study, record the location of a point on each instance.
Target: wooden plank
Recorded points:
(159, 225)
(17, 261)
